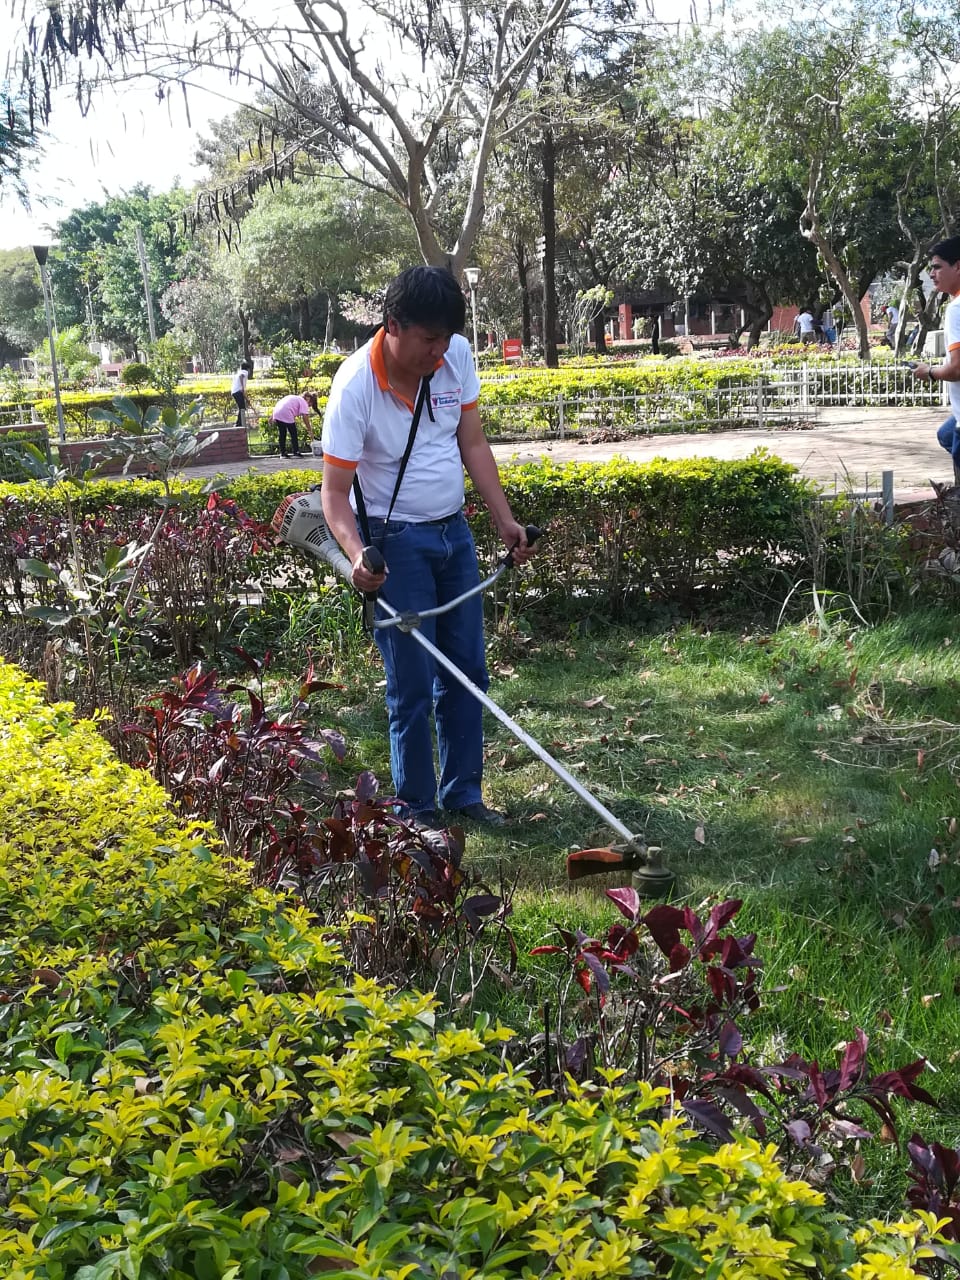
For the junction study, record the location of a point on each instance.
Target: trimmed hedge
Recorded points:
(191, 1088)
(496, 394)
(621, 537)
(219, 405)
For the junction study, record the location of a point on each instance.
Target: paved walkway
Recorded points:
(856, 442)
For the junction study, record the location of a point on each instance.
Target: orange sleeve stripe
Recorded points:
(954, 346)
(472, 405)
(339, 462)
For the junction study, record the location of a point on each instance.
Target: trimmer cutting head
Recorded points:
(649, 876)
(594, 862)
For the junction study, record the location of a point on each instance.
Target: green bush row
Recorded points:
(519, 387)
(616, 378)
(219, 405)
(621, 537)
(657, 396)
(193, 1088)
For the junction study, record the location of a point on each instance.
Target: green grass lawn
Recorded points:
(814, 775)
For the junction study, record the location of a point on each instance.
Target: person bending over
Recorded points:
(419, 356)
(284, 418)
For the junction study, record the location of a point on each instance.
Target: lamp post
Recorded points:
(472, 275)
(40, 252)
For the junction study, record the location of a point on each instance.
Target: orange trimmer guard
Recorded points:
(594, 862)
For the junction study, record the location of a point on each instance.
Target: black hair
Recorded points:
(247, 364)
(948, 250)
(429, 296)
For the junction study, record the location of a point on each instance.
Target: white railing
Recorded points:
(758, 404)
(19, 415)
(782, 395)
(858, 384)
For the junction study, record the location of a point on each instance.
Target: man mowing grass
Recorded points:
(401, 425)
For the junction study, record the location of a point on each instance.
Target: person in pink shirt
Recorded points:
(284, 417)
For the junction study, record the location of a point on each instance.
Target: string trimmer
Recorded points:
(299, 521)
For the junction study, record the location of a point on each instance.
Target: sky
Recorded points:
(128, 137)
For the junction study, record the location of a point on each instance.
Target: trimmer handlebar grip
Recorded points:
(533, 533)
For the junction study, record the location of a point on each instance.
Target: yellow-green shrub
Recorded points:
(191, 1088)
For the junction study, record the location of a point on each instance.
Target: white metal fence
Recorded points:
(860, 384)
(784, 396)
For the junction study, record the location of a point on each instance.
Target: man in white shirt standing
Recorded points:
(420, 357)
(805, 326)
(945, 270)
(238, 389)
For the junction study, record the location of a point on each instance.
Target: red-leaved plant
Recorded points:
(406, 910)
(665, 997)
(935, 1178)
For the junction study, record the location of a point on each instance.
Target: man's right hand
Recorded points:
(363, 579)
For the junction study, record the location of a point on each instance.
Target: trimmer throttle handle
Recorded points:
(373, 560)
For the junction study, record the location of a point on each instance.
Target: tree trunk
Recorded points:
(600, 333)
(758, 310)
(815, 234)
(526, 331)
(303, 318)
(926, 317)
(551, 357)
(244, 318)
(846, 286)
(331, 316)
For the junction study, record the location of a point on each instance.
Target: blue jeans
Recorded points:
(948, 437)
(428, 565)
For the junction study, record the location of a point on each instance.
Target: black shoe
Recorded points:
(423, 819)
(481, 813)
(284, 455)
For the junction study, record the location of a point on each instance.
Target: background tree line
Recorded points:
(566, 148)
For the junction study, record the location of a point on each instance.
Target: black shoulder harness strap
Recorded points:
(422, 399)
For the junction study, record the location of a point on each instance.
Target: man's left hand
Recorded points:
(515, 539)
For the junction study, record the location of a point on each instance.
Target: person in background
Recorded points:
(334, 347)
(893, 318)
(805, 325)
(419, 357)
(284, 417)
(945, 270)
(828, 324)
(238, 389)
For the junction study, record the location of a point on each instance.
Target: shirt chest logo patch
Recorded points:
(446, 400)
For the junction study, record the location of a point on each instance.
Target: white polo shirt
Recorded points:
(951, 338)
(366, 427)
